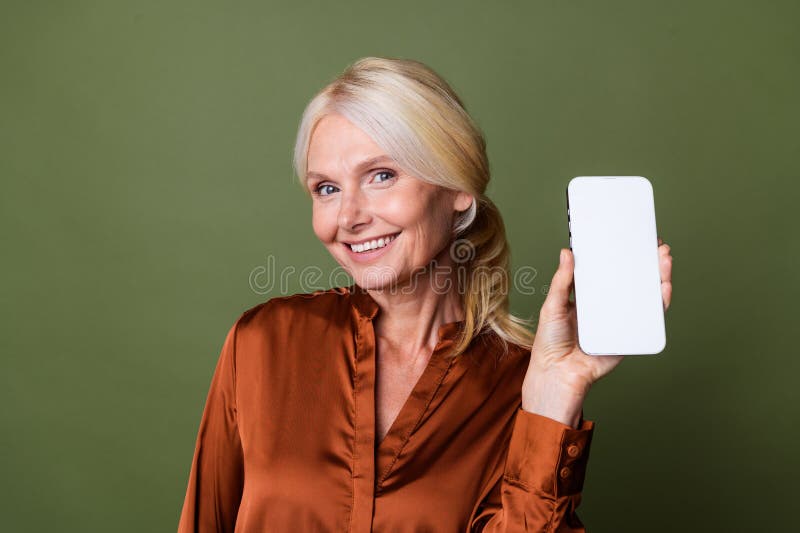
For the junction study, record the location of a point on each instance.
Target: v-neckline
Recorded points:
(387, 451)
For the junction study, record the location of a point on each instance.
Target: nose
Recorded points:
(353, 210)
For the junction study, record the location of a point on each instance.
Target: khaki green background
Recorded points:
(145, 156)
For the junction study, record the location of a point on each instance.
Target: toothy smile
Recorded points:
(373, 244)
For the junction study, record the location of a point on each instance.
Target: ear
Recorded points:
(463, 201)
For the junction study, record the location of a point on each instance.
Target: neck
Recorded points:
(412, 313)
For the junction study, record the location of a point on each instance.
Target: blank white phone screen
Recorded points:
(617, 278)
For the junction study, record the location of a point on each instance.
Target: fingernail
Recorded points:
(561, 258)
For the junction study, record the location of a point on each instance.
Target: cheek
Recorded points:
(323, 223)
(411, 209)
(428, 231)
(419, 212)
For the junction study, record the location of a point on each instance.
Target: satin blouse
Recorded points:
(287, 439)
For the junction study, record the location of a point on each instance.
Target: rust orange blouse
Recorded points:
(287, 438)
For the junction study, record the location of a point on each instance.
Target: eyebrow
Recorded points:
(365, 163)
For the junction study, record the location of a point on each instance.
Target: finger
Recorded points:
(664, 249)
(666, 293)
(660, 242)
(558, 296)
(665, 267)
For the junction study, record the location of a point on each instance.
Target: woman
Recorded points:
(410, 401)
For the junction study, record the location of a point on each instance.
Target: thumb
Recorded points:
(557, 300)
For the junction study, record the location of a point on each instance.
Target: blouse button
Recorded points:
(573, 450)
(565, 472)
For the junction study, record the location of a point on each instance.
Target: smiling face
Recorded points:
(360, 195)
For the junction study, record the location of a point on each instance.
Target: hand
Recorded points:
(560, 373)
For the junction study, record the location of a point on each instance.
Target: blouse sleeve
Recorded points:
(543, 478)
(217, 472)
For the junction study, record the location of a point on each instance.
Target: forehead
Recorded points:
(338, 143)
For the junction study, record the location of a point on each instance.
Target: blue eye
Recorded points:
(388, 172)
(322, 187)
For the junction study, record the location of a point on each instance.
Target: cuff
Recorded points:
(547, 456)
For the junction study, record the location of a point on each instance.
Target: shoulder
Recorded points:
(501, 360)
(505, 352)
(295, 315)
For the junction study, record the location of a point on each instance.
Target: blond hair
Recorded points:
(416, 117)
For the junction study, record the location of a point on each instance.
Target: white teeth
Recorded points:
(371, 245)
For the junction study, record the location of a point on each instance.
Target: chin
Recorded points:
(374, 277)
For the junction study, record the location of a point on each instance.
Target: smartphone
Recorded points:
(617, 282)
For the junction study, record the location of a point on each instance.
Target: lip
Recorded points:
(366, 257)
